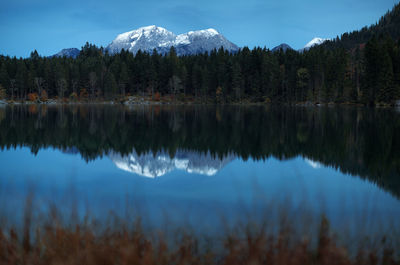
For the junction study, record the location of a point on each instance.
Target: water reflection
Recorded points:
(194, 164)
(156, 165)
(312, 163)
(153, 140)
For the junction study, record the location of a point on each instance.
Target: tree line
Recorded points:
(359, 67)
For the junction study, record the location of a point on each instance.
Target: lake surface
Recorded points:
(202, 166)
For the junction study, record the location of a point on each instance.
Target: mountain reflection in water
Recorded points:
(213, 160)
(357, 141)
(156, 165)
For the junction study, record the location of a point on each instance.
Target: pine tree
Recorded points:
(21, 80)
(4, 77)
(237, 81)
(196, 79)
(303, 77)
(372, 63)
(123, 79)
(110, 86)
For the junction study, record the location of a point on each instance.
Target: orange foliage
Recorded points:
(157, 96)
(33, 97)
(44, 96)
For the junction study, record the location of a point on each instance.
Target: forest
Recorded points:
(361, 67)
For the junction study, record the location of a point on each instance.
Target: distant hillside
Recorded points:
(284, 47)
(69, 52)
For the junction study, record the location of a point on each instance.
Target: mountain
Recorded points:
(69, 52)
(153, 37)
(145, 39)
(314, 42)
(152, 166)
(282, 46)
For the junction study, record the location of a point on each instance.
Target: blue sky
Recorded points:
(50, 25)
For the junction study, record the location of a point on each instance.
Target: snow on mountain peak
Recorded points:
(189, 37)
(204, 32)
(212, 31)
(314, 42)
(145, 31)
(144, 38)
(153, 37)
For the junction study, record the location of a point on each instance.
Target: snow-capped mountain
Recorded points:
(69, 52)
(145, 39)
(282, 46)
(153, 37)
(313, 42)
(152, 166)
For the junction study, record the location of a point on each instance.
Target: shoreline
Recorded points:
(142, 102)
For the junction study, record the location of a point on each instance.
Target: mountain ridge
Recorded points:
(316, 41)
(68, 52)
(283, 46)
(153, 37)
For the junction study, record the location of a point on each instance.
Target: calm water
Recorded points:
(203, 166)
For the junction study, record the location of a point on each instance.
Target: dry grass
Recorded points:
(56, 244)
(126, 242)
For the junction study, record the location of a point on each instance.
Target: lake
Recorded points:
(203, 167)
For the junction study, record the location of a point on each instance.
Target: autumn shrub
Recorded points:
(43, 96)
(157, 96)
(33, 97)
